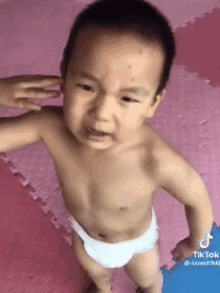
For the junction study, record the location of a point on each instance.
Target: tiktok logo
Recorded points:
(207, 240)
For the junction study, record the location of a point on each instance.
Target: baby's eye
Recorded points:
(88, 88)
(85, 87)
(132, 100)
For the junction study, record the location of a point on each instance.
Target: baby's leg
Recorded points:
(144, 270)
(90, 270)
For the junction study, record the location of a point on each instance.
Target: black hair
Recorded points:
(126, 15)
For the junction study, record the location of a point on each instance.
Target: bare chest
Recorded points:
(110, 197)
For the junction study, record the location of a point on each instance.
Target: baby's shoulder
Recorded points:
(161, 146)
(51, 120)
(58, 110)
(52, 115)
(162, 151)
(166, 158)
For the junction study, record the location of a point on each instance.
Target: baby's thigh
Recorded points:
(143, 267)
(94, 271)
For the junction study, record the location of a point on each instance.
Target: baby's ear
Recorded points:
(62, 68)
(62, 71)
(62, 89)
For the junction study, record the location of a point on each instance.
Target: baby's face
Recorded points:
(96, 90)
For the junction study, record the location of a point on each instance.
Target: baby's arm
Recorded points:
(17, 91)
(180, 179)
(19, 131)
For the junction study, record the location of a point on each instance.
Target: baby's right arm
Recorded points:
(19, 131)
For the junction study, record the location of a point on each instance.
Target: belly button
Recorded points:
(123, 209)
(101, 235)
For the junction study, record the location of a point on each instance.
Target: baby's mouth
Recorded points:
(97, 133)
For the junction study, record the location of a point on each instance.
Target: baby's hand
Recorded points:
(17, 91)
(183, 250)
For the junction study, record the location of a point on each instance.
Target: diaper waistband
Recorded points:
(82, 233)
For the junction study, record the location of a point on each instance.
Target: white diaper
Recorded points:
(116, 255)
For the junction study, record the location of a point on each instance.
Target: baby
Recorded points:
(109, 162)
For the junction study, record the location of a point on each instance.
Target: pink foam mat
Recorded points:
(188, 118)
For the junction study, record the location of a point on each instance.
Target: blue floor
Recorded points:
(196, 275)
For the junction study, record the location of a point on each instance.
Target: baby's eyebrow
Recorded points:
(140, 90)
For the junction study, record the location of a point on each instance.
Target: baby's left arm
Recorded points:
(181, 180)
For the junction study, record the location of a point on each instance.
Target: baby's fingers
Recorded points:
(27, 104)
(40, 81)
(35, 93)
(24, 98)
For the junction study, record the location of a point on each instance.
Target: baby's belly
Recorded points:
(111, 229)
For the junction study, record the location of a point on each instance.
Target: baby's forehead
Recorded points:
(98, 38)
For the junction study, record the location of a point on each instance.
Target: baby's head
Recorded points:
(113, 46)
